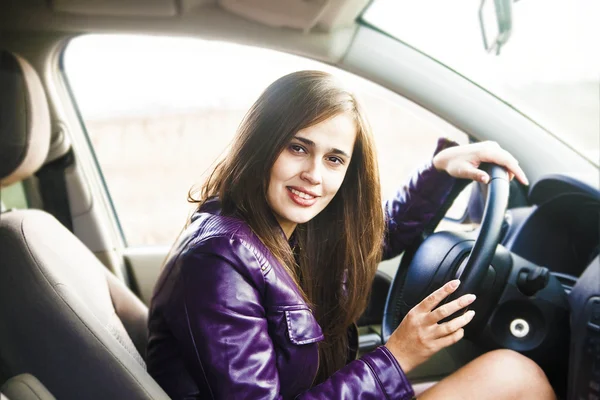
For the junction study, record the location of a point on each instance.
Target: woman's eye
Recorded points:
(336, 160)
(297, 148)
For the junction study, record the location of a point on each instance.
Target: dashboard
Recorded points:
(561, 231)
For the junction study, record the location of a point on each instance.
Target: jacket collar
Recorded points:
(213, 206)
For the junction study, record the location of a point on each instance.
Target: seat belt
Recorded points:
(53, 189)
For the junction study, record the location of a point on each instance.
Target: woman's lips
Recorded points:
(301, 198)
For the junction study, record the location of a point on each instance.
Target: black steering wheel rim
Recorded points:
(471, 271)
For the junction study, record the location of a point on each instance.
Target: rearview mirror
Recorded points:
(495, 20)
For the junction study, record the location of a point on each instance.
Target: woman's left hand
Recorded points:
(463, 161)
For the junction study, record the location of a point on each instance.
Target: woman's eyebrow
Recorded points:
(310, 143)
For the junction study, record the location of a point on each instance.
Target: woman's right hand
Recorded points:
(419, 335)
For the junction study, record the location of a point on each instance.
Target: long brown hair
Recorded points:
(343, 242)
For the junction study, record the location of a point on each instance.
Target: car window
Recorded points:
(160, 111)
(13, 196)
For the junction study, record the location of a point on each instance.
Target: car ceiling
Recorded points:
(320, 29)
(83, 15)
(323, 33)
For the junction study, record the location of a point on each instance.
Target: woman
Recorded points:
(259, 292)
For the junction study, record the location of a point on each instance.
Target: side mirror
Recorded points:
(495, 20)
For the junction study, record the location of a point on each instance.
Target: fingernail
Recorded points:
(525, 180)
(454, 284)
(471, 313)
(471, 298)
(483, 178)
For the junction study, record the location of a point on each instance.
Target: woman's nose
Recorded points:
(311, 173)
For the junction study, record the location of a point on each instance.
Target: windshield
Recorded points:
(549, 68)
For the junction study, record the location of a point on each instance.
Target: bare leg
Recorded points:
(499, 374)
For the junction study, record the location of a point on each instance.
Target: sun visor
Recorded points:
(117, 8)
(305, 15)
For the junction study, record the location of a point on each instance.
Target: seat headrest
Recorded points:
(24, 120)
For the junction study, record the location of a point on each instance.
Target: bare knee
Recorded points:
(499, 374)
(522, 376)
(514, 363)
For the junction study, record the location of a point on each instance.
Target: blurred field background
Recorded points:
(150, 162)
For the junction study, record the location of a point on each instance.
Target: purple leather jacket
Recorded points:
(227, 322)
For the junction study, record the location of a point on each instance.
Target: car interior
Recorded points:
(74, 296)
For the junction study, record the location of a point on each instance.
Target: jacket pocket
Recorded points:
(295, 331)
(302, 326)
(293, 325)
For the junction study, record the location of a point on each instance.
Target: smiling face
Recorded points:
(310, 170)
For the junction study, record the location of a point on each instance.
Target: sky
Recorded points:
(166, 73)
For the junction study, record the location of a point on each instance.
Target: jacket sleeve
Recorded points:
(415, 204)
(376, 375)
(227, 346)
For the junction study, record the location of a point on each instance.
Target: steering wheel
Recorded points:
(444, 256)
(520, 305)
